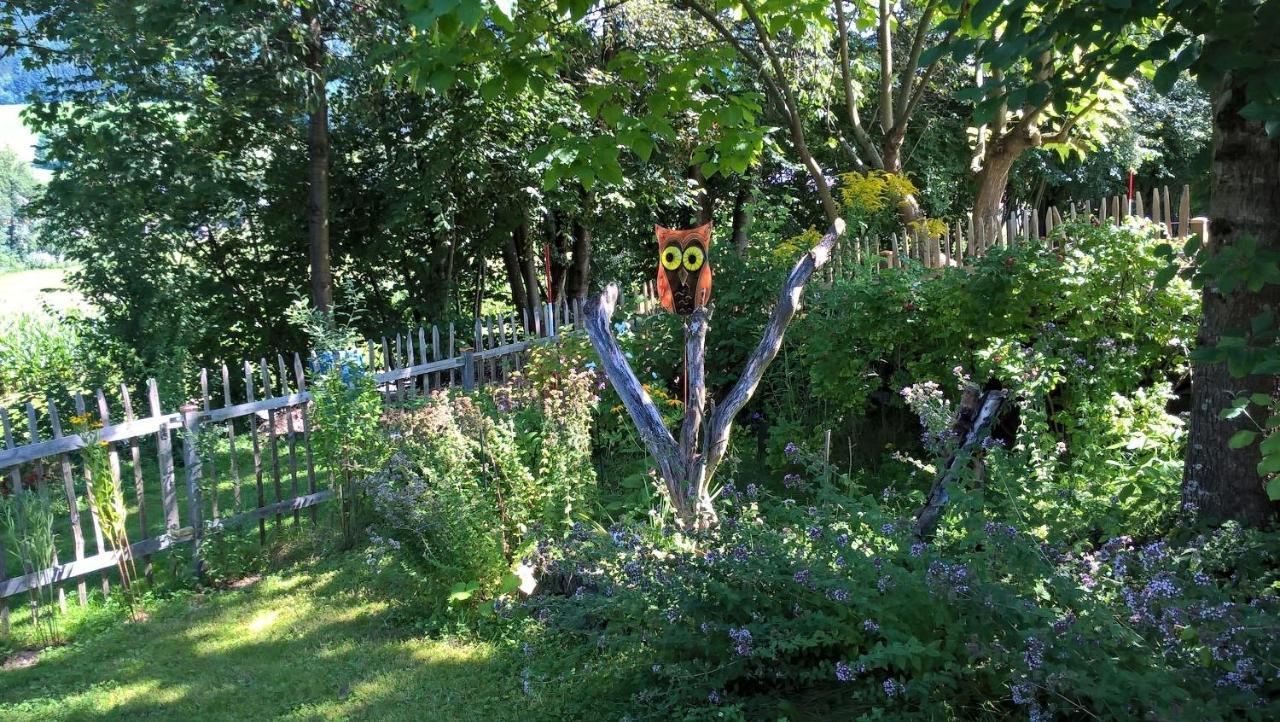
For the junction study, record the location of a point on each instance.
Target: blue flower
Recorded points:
(790, 449)
(844, 672)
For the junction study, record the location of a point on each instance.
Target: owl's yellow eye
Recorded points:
(693, 258)
(671, 258)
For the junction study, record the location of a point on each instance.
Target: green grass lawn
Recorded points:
(31, 290)
(300, 644)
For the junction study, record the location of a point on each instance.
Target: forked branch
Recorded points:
(686, 466)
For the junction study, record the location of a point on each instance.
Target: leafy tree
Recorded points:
(18, 187)
(1045, 72)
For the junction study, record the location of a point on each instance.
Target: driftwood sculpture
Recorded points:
(977, 413)
(687, 465)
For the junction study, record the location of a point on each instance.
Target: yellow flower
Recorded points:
(870, 192)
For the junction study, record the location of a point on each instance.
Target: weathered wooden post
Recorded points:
(468, 369)
(191, 459)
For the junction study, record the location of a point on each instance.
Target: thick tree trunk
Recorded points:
(580, 267)
(515, 276)
(318, 170)
(993, 178)
(1219, 482)
(529, 267)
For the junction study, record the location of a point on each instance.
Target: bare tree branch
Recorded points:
(973, 420)
(779, 89)
(767, 349)
(793, 111)
(644, 413)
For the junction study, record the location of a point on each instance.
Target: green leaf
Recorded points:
(506, 7)
(1260, 400)
(983, 10)
(1242, 438)
(1269, 465)
(1273, 489)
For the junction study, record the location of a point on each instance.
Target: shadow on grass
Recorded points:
(304, 644)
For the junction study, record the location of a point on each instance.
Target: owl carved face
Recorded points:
(684, 268)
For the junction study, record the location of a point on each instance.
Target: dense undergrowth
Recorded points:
(1065, 581)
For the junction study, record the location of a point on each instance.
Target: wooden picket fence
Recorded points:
(274, 410)
(405, 366)
(964, 241)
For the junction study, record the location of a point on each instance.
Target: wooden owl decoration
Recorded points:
(684, 268)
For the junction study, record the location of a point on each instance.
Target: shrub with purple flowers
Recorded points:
(855, 619)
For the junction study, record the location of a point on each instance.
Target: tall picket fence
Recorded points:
(259, 407)
(966, 240)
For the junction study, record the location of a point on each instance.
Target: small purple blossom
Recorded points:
(892, 687)
(844, 673)
(790, 449)
(870, 625)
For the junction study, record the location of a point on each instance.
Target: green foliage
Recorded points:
(477, 477)
(44, 359)
(834, 610)
(1081, 334)
(27, 517)
(18, 187)
(1216, 40)
(346, 415)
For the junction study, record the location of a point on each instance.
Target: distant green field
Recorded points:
(17, 137)
(31, 291)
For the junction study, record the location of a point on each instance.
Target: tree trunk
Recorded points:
(1218, 482)
(742, 215)
(318, 170)
(580, 267)
(529, 267)
(993, 178)
(515, 275)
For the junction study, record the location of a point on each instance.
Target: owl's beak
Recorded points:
(684, 275)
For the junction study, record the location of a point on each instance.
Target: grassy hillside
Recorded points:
(17, 137)
(30, 291)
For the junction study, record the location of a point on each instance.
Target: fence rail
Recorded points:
(274, 416)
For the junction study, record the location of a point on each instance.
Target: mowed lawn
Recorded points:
(28, 292)
(301, 645)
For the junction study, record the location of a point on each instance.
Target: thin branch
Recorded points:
(767, 349)
(913, 61)
(860, 134)
(886, 67)
(695, 349)
(1065, 131)
(793, 111)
